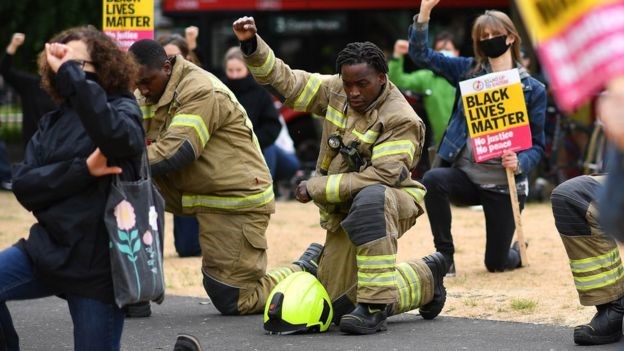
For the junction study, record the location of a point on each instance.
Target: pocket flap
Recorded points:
(255, 239)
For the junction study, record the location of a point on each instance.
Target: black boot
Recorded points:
(309, 260)
(365, 319)
(450, 261)
(604, 328)
(187, 342)
(438, 266)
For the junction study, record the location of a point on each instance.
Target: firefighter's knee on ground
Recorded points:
(223, 297)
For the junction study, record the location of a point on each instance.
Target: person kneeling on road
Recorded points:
(594, 258)
(194, 127)
(372, 138)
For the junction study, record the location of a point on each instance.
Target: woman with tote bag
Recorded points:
(65, 180)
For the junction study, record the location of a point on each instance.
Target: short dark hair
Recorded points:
(149, 53)
(445, 36)
(362, 52)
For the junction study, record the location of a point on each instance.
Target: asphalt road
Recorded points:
(45, 324)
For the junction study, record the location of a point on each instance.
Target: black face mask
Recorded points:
(494, 47)
(241, 84)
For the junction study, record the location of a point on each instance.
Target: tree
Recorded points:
(40, 20)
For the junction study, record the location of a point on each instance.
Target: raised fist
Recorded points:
(245, 28)
(57, 54)
(16, 41)
(401, 47)
(191, 32)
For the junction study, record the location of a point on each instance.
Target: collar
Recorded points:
(522, 71)
(174, 80)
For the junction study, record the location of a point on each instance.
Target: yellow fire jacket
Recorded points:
(229, 173)
(389, 133)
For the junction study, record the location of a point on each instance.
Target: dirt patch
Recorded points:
(543, 292)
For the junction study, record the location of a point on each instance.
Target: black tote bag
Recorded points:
(134, 219)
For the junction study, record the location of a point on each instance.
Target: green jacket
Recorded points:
(439, 94)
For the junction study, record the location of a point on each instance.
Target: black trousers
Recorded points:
(451, 185)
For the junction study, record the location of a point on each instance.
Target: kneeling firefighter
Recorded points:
(371, 140)
(195, 124)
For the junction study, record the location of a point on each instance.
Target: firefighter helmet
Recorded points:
(298, 303)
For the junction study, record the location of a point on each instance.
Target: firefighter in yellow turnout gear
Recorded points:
(594, 259)
(371, 140)
(207, 163)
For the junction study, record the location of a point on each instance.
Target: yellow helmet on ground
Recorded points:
(298, 303)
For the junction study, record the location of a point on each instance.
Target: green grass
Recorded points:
(459, 279)
(471, 302)
(523, 305)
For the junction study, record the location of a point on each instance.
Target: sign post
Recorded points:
(497, 120)
(127, 22)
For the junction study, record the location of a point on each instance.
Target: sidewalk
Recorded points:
(45, 324)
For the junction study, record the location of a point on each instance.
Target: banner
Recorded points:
(580, 44)
(496, 114)
(128, 21)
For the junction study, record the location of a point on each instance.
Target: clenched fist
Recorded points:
(244, 28)
(401, 47)
(57, 54)
(16, 41)
(425, 10)
(301, 194)
(190, 34)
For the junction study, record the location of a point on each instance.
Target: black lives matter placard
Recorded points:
(496, 114)
(127, 21)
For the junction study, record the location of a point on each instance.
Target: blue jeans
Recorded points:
(282, 164)
(186, 236)
(97, 325)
